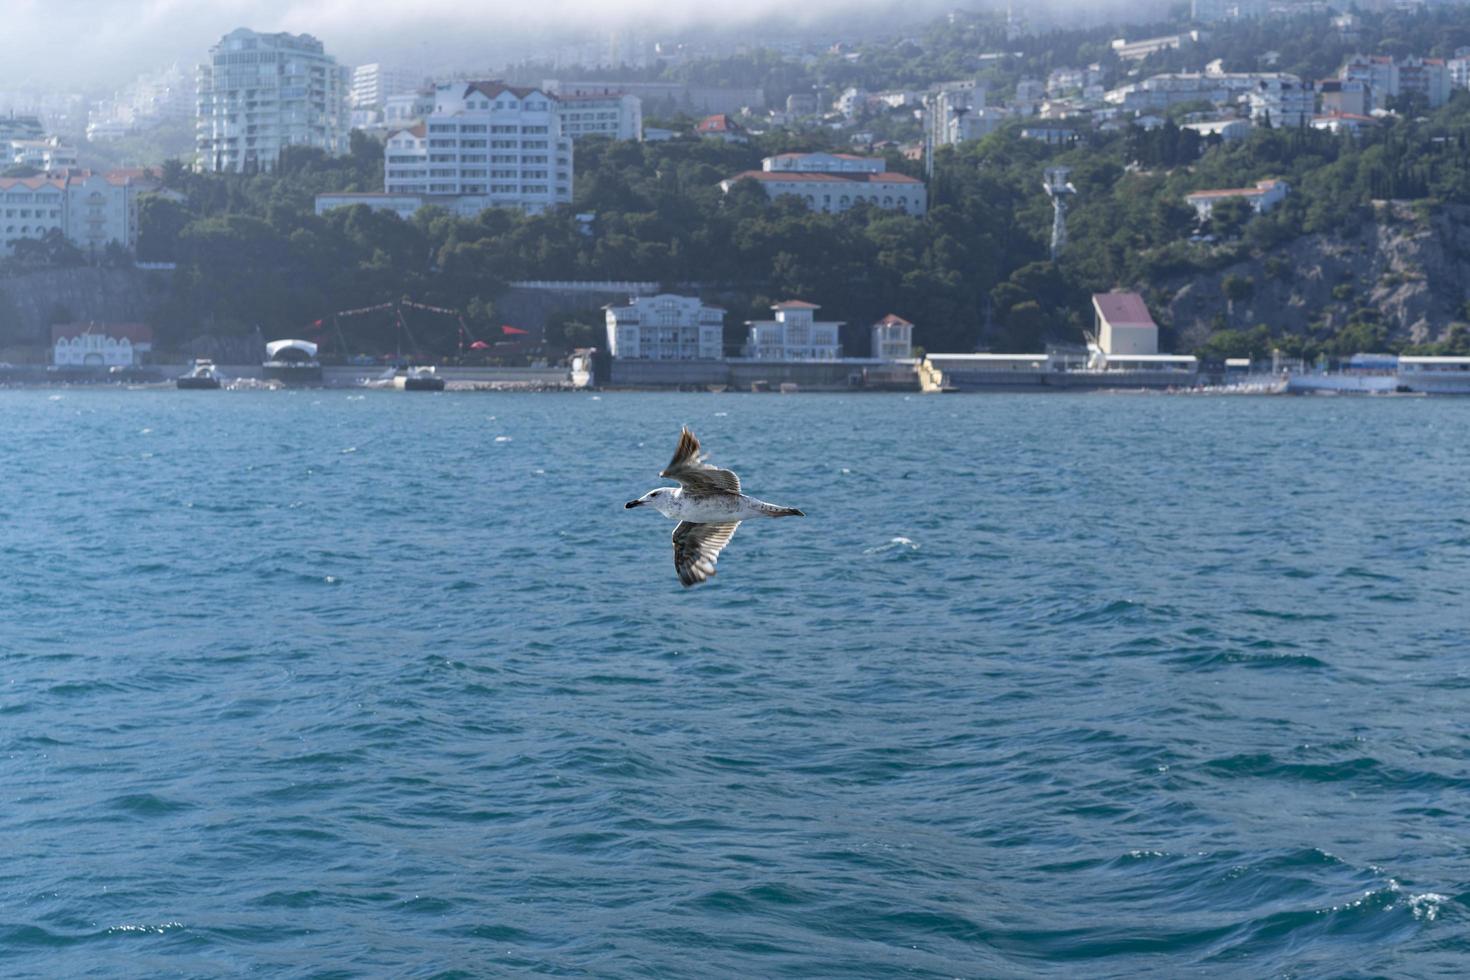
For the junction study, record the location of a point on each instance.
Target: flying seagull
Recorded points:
(709, 507)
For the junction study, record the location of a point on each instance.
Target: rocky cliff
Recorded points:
(1410, 266)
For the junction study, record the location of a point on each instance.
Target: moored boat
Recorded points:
(422, 378)
(203, 375)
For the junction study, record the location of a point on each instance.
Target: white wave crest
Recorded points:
(894, 544)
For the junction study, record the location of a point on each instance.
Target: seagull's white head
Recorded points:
(660, 500)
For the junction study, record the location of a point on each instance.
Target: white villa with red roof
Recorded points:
(665, 328)
(832, 182)
(794, 335)
(100, 344)
(893, 338)
(1262, 198)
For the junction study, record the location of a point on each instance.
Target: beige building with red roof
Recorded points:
(92, 210)
(1123, 325)
(1262, 197)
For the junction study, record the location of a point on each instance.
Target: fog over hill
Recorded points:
(87, 44)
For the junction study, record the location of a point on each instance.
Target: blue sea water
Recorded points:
(390, 685)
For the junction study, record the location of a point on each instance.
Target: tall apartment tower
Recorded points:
(260, 93)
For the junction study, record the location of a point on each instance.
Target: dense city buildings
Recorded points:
(666, 98)
(260, 93)
(46, 154)
(1388, 78)
(666, 328)
(149, 101)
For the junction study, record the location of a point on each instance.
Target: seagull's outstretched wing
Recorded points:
(697, 547)
(697, 476)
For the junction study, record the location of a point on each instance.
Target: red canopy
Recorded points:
(479, 345)
(513, 330)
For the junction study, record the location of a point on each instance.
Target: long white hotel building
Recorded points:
(486, 144)
(260, 93)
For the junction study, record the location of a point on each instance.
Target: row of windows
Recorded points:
(26, 213)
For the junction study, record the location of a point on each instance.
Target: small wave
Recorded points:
(155, 929)
(900, 544)
(721, 415)
(502, 438)
(1426, 906)
(349, 449)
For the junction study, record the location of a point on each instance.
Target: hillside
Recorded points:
(1405, 275)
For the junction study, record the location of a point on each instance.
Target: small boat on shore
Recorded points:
(423, 378)
(203, 376)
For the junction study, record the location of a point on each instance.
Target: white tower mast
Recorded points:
(1060, 190)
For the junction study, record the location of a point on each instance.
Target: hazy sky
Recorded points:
(76, 44)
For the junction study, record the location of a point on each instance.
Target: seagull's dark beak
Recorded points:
(631, 504)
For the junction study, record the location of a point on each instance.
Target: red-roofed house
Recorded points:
(893, 338)
(1262, 198)
(1123, 325)
(721, 127)
(100, 344)
(793, 335)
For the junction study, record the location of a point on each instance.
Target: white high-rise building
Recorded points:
(486, 144)
(260, 93)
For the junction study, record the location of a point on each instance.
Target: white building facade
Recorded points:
(260, 93)
(615, 115)
(666, 328)
(91, 210)
(835, 192)
(1261, 198)
(794, 335)
(823, 163)
(47, 154)
(100, 344)
(486, 144)
(893, 338)
(1287, 103)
